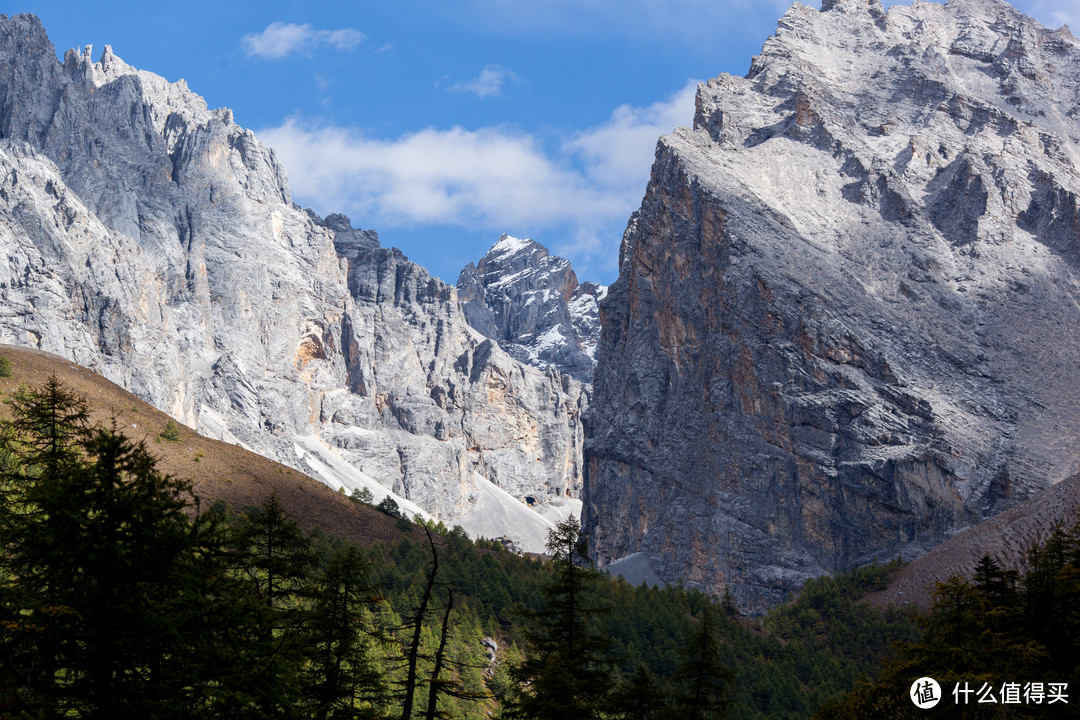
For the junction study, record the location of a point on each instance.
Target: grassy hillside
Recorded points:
(1007, 538)
(218, 470)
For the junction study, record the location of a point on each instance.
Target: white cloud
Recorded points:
(620, 152)
(490, 176)
(494, 178)
(281, 39)
(1054, 13)
(488, 83)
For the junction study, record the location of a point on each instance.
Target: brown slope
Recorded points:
(218, 471)
(1007, 537)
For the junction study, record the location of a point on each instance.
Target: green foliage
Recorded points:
(389, 506)
(5, 366)
(703, 683)
(639, 697)
(114, 604)
(171, 432)
(785, 663)
(362, 496)
(999, 627)
(342, 680)
(97, 568)
(566, 674)
(276, 556)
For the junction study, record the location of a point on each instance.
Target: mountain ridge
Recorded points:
(154, 240)
(842, 326)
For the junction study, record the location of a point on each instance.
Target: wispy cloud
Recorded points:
(488, 83)
(1054, 13)
(619, 153)
(497, 178)
(281, 39)
(491, 176)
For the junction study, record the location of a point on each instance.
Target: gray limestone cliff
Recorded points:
(155, 241)
(530, 302)
(845, 325)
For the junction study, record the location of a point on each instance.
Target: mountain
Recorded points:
(844, 324)
(1007, 537)
(217, 470)
(152, 240)
(532, 305)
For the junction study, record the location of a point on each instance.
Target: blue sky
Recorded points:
(442, 125)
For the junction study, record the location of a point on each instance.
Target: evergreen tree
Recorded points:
(114, 605)
(219, 669)
(91, 551)
(276, 556)
(342, 680)
(566, 673)
(703, 682)
(39, 448)
(728, 605)
(991, 630)
(46, 430)
(639, 697)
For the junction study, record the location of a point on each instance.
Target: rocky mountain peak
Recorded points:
(512, 252)
(840, 327)
(873, 7)
(531, 303)
(153, 240)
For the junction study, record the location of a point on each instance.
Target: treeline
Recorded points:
(117, 601)
(783, 665)
(1004, 644)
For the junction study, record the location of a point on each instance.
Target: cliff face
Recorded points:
(155, 241)
(531, 303)
(845, 322)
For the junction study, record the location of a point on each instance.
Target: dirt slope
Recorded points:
(218, 470)
(1006, 537)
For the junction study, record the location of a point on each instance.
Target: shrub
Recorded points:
(362, 496)
(5, 367)
(171, 432)
(389, 506)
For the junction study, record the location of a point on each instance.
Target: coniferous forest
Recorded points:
(123, 596)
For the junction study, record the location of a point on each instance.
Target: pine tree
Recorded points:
(728, 605)
(128, 533)
(342, 680)
(114, 605)
(92, 545)
(276, 556)
(231, 665)
(566, 674)
(39, 448)
(639, 697)
(704, 684)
